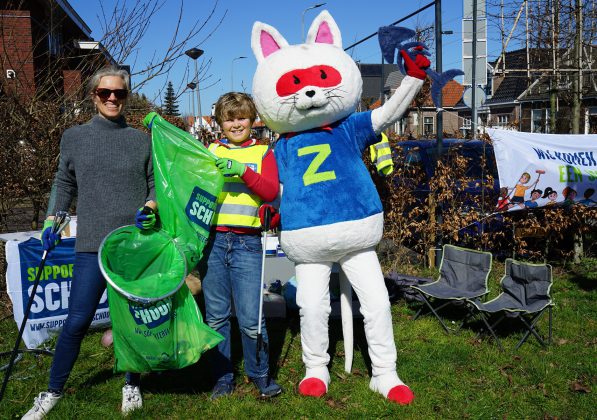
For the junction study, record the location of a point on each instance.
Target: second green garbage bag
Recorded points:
(156, 323)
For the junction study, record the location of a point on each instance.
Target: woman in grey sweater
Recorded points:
(107, 165)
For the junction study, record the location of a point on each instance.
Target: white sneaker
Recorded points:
(42, 404)
(131, 399)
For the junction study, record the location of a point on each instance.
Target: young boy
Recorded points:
(231, 265)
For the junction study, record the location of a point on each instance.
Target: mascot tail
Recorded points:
(346, 310)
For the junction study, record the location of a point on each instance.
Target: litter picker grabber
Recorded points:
(266, 224)
(61, 220)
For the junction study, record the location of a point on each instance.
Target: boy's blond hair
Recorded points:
(233, 105)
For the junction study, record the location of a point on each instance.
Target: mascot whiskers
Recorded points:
(330, 209)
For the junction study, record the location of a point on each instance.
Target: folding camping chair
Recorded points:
(525, 296)
(463, 275)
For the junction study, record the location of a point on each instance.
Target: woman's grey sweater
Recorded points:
(107, 166)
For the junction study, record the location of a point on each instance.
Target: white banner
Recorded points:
(50, 303)
(537, 170)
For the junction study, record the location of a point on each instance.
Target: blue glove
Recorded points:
(49, 239)
(145, 218)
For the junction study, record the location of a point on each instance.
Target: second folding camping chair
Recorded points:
(526, 295)
(463, 275)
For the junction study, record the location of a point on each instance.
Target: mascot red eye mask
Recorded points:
(319, 76)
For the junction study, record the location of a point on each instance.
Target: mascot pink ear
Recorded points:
(268, 43)
(266, 40)
(324, 34)
(324, 30)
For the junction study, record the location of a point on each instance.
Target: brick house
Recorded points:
(522, 103)
(535, 104)
(46, 49)
(421, 121)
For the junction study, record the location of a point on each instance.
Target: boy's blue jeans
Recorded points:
(86, 290)
(231, 270)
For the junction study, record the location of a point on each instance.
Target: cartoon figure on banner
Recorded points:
(503, 200)
(551, 196)
(587, 201)
(532, 203)
(569, 194)
(330, 209)
(520, 188)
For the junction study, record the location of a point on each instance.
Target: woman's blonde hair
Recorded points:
(233, 105)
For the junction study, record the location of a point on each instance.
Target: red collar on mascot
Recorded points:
(292, 134)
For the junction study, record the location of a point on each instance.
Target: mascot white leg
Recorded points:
(347, 320)
(313, 299)
(365, 275)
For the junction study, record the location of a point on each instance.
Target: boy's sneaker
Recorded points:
(131, 399)
(42, 404)
(267, 387)
(221, 389)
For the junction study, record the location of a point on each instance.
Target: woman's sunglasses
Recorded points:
(104, 94)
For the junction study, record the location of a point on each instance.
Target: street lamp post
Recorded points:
(303, 19)
(192, 86)
(232, 72)
(194, 54)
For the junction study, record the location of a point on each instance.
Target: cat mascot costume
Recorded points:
(330, 210)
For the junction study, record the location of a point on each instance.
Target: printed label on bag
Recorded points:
(151, 316)
(201, 208)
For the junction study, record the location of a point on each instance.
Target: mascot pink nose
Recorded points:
(321, 76)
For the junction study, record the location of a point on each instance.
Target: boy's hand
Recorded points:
(274, 221)
(230, 167)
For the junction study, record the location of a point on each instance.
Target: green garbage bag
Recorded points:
(187, 185)
(165, 335)
(144, 266)
(156, 323)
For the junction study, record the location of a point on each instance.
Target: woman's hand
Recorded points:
(145, 218)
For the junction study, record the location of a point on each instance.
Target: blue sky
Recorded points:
(356, 19)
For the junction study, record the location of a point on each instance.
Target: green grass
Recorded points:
(453, 376)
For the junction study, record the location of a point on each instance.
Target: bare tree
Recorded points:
(35, 110)
(559, 37)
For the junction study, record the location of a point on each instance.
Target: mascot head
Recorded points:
(300, 87)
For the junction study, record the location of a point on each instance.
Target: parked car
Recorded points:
(421, 156)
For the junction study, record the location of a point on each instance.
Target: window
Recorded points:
(489, 87)
(54, 43)
(403, 125)
(540, 120)
(415, 118)
(466, 125)
(503, 120)
(428, 125)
